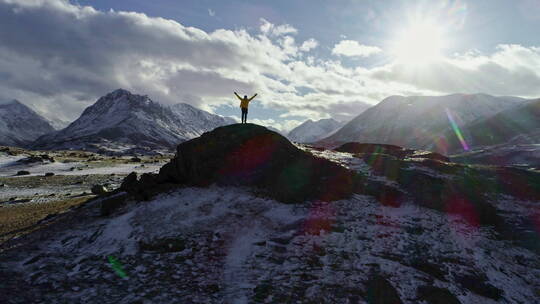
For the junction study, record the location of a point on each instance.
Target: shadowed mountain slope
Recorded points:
(418, 121)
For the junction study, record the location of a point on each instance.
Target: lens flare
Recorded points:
(456, 129)
(117, 266)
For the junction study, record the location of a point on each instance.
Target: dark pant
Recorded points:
(244, 115)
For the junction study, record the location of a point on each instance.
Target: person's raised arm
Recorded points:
(253, 97)
(237, 96)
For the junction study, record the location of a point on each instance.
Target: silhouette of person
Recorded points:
(244, 102)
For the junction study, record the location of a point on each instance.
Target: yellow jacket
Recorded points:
(244, 102)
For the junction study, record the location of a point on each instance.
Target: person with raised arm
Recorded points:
(244, 103)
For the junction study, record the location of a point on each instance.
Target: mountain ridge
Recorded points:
(418, 121)
(123, 122)
(312, 131)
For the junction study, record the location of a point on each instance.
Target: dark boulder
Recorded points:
(478, 283)
(99, 189)
(130, 183)
(48, 174)
(251, 155)
(22, 172)
(436, 295)
(113, 202)
(30, 160)
(380, 291)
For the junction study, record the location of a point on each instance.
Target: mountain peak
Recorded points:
(122, 121)
(119, 92)
(19, 124)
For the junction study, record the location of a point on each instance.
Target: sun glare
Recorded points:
(419, 43)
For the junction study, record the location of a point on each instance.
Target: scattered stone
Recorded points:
(22, 172)
(2, 185)
(49, 174)
(47, 157)
(99, 189)
(135, 159)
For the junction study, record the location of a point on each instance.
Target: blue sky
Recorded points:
(306, 59)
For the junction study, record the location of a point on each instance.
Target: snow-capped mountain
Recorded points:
(419, 121)
(20, 125)
(123, 122)
(312, 131)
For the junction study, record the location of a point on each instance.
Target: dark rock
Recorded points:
(521, 183)
(436, 295)
(99, 189)
(380, 291)
(30, 160)
(2, 185)
(429, 268)
(479, 285)
(354, 147)
(251, 155)
(112, 203)
(22, 172)
(135, 159)
(391, 150)
(47, 157)
(49, 174)
(129, 184)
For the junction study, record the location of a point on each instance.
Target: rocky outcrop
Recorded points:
(251, 155)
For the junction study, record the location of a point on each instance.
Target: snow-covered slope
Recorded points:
(312, 131)
(121, 122)
(19, 125)
(418, 121)
(227, 245)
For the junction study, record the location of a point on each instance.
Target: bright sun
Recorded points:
(420, 43)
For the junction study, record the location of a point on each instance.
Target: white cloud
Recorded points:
(510, 70)
(309, 45)
(351, 48)
(211, 12)
(270, 29)
(80, 53)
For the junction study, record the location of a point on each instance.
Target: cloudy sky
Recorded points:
(306, 58)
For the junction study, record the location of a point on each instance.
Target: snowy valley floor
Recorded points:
(27, 199)
(227, 245)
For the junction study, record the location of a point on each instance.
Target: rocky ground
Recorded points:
(402, 235)
(36, 185)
